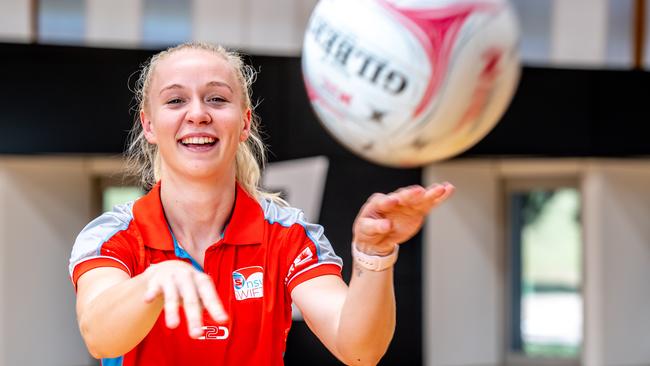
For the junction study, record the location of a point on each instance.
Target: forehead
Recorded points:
(190, 66)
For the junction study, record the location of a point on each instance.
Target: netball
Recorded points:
(404, 83)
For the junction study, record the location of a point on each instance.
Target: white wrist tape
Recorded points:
(376, 263)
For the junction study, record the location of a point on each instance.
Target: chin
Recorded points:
(205, 171)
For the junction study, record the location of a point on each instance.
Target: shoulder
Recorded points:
(286, 216)
(110, 229)
(102, 229)
(290, 218)
(109, 222)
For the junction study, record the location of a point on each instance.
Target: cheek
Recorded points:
(166, 124)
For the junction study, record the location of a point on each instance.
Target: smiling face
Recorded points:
(196, 114)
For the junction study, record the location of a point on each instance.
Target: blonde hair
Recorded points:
(143, 159)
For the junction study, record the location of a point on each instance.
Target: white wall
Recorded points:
(43, 204)
(15, 22)
(256, 26)
(463, 279)
(114, 23)
(464, 256)
(617, 232)
(579, 32)
(219, 21)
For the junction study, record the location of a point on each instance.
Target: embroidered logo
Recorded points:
(248, 282)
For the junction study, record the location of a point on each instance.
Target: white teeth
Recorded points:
(198, 140)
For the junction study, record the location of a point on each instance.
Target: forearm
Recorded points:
(118, 318)
(367, 320)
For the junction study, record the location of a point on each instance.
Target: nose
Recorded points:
(198, 113)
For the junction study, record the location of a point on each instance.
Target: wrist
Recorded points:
(370, 249)
(375, 262)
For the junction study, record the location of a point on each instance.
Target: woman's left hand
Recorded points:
(389, 219)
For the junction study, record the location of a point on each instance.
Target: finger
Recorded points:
(434, 191)
(369, 227)
(411, 201)
(435, 199)
(407, 189)
(209, 298)
(449, 190)
(171, 303)
(191, 305)
(153, 290)
(411, 196)
(380, 202)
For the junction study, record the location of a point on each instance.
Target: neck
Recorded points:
(197, 210)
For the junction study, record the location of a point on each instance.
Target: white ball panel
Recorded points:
(383, 52)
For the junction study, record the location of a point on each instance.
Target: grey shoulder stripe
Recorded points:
(288, 216)
(90, 240)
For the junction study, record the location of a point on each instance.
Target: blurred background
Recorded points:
(541, 258)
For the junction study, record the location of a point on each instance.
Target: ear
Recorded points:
(147, 128)
(246, 128)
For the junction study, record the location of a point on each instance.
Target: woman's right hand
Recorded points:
(178, 283)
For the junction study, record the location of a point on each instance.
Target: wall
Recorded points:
(617, 233)
(44, 202)
(15, 22)
(464, 257)
(463, 284)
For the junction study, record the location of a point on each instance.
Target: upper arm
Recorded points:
(313, 276)
(95, 281)
(320, 301)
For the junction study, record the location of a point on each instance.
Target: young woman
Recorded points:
(203, 269)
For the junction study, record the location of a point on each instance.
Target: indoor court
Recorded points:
(540, 258)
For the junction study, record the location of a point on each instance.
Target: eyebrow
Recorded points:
(219, 83)
(210, 84)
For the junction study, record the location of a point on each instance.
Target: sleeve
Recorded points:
(104, 242)
(311, 254)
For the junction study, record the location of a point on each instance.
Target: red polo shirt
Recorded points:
(265, 251)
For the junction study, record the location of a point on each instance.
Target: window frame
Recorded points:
(108, 173)
(529, 180)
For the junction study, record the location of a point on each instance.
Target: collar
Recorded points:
(245, 226)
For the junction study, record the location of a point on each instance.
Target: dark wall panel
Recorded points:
(77, 100)
(349, 183)
(65, 99)
(563, 113)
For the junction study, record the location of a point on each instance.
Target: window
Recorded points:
(166, 22)
(61, 21)
(619, 33)
(113, 190)
(535, 24)
(116, 195)
(545, 252)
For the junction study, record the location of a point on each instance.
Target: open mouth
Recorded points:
(199, 142)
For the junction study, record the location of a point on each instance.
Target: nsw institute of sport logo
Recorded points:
(248, 282)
